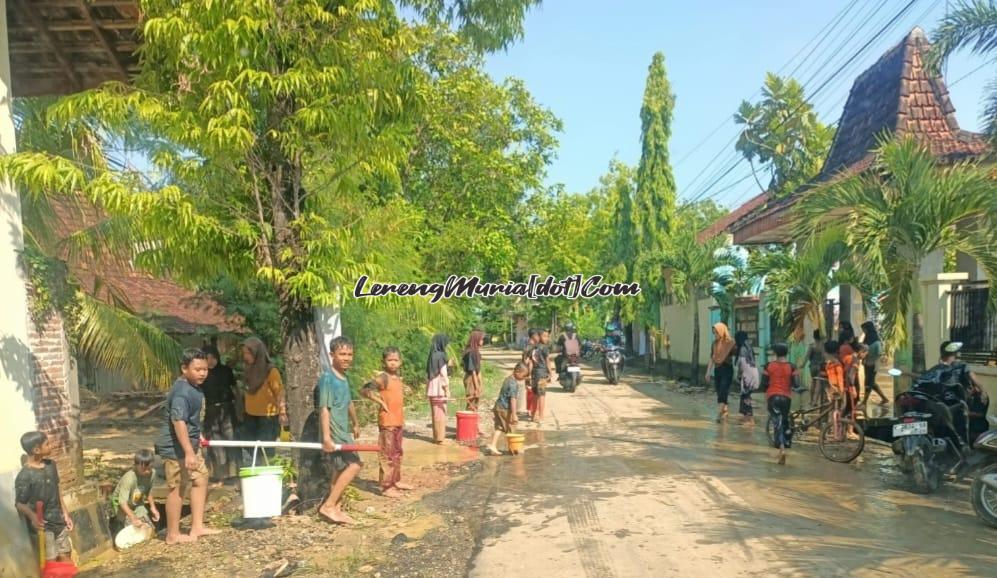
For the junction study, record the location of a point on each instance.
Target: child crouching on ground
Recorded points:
(504, 411)
(37, 482)
(134, 492)
(387, 390)
(782, 381)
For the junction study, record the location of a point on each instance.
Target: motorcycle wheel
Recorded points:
(926, 479)
(984, 497)
(614, 376)
(576, 380)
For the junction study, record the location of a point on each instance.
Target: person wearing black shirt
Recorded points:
(219, 414)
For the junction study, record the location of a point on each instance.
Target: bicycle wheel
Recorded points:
(837, 445)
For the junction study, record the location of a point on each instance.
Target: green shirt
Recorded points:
(333, 392)
(132, 490)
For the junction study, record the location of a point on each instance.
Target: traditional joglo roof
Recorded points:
(897, 96)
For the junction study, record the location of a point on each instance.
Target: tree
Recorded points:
(798, 278)
(904, 208)
(281, 127)
(618, 188)
(479, 149)
(783, 134)
(654, 196)
(693, 267)
(970, 25)
(100, 326)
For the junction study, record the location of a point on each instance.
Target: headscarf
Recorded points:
(437, 355)
(723, 345)
(871, 335)
(255, 375)
(474, 341)
(744, 350)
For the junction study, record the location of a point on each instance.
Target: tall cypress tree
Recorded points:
(654, 202)
(654, 199)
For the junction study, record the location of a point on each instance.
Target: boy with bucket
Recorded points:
(337, 414)
(387, 390)
(37, 485)
(504, 411)
(179, 445)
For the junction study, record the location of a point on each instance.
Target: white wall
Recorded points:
(676, 324)
(16, 558)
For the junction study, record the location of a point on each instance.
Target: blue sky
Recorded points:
(587, 61)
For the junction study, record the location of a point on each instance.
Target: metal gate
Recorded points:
(972, 324)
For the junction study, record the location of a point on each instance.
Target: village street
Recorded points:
(637, 480)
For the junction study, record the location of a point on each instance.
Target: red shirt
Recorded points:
(780, 374)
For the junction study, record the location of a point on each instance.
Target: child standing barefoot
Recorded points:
(505, 406)
(338, 423)
(388, 391)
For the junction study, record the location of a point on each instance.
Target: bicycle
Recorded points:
(834, 441)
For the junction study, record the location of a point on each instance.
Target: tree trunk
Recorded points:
(301, 372)
(917, 331)
(694, 378)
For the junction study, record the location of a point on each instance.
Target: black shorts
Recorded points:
(341, 460)
(540, 385)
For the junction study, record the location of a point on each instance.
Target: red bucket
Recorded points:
(56, 569)
(467, 426)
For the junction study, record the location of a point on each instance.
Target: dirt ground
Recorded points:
(114, 428)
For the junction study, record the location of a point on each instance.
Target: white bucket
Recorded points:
(262, 490)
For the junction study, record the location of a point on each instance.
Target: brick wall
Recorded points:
(56, 405)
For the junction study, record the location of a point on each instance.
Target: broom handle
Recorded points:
(206, 443)
(39, 508)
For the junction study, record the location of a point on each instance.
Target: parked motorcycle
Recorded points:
(571, 373)
(589, 349)
(983, 461)
(613, 362)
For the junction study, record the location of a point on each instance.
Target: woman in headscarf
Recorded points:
(266, 408)
(748, 371)
(869, 364)
(438, 385)
(472, 369)
(219, 413)
(721, 366)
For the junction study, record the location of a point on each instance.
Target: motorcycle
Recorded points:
(589, 349)
(983, 461)
(571, 373)
(922, 433)
(613, 362)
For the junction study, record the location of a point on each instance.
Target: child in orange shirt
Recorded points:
(838, 389)
(387, 390)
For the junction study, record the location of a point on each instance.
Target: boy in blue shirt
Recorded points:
(338, 423)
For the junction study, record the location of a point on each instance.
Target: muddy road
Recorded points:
(637, 480)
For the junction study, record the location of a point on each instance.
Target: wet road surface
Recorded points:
(637, 480)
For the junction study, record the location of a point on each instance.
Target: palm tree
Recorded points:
(694, 268)
(797, 279)
(971, 25)
(905, 207)
(105, 332)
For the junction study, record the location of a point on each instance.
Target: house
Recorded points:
(47, 47)
(895, 95)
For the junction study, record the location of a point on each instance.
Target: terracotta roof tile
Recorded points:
(173, 307)
(896, 95)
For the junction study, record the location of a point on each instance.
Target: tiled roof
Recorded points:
(174, 308)
(896, 95)
(721, 224)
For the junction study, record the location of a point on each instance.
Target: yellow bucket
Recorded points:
(515, 442)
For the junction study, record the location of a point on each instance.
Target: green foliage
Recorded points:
(973, 25)
(904, 208)
(654, 195)
(783, 134)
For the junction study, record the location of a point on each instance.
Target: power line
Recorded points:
(821, 87)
